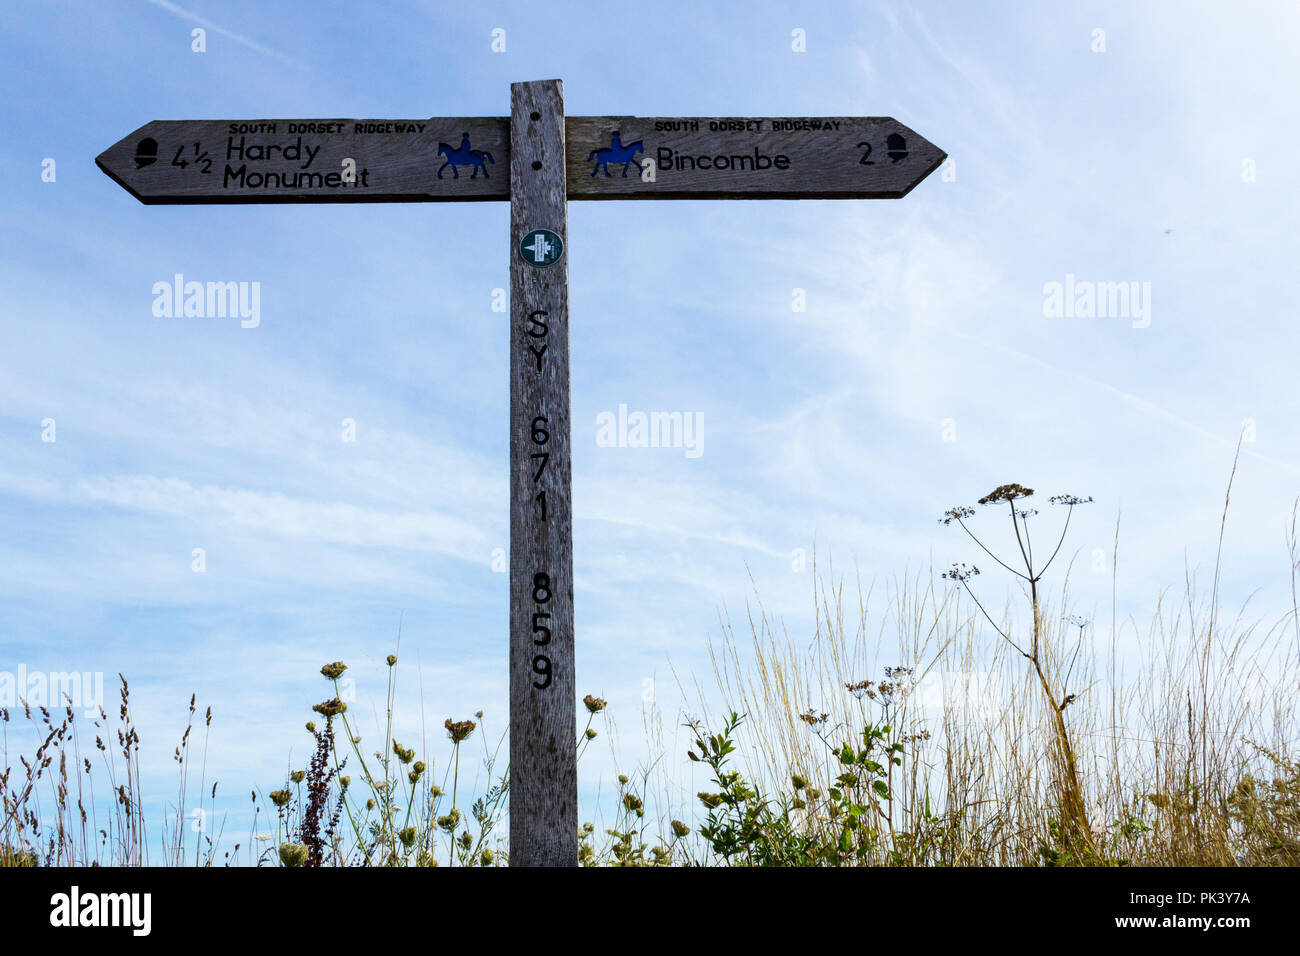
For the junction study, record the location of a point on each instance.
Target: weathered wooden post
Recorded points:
(543, 725)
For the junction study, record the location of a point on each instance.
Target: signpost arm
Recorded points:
(543, 721)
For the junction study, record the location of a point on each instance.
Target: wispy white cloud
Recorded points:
(216, 28)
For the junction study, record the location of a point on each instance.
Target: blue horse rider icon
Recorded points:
(615, 152)
(464, 156)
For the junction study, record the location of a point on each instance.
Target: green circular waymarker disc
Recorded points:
(541, 248)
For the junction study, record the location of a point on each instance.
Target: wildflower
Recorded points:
(680, 829)
(344, 781)
(594, 704)
(298, 776)
(392, 659)
(403, 754)
(632, 801)
(435, 791)
(334, 671)
(280, 797)
(622, 778)
(459, 730)
(311, 726)
(710, 800)
(370, 804)
(486, 858)
(590, 734)
(797, 804)
(466, 841)
(450, 821)
(293, 854)
(407, 836)
(330, 708)
(798, 781)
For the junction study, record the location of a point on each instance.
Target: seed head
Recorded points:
(1070, 500)
(1006, 493)
(459, 730)
(280, 797)
(330, 708)
(861, 689)
(956, 514)
(594, 704)
(815, 721)
(334, 671)
(960, 571)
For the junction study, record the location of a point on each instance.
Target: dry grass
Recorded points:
(1184, 752)
(1169, 744)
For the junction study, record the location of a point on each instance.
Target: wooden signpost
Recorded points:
(538, 159)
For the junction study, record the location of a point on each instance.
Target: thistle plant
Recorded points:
(1074, 828)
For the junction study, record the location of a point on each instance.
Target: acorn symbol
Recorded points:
(896, 147)
(146, 152)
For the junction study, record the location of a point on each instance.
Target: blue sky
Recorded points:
(924, 322)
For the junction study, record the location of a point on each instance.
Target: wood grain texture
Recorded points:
(838, 157)
(543, 721)
(288, 161)
(301, 160)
